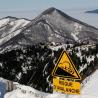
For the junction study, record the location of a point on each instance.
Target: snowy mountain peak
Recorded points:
(10, 27)
(53, 11)
(11, 17)
(52, 25)
(56, 26)
(9, 20)
(49, 10)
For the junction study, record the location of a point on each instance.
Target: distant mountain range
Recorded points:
(93, 11)
(52, 25)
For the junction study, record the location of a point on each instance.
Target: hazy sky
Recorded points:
(41, 4)
(31, 8)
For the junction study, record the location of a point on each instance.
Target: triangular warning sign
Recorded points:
(66, 68)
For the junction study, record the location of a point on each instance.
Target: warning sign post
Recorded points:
(65, 68)
(64, 71)
(65, 86)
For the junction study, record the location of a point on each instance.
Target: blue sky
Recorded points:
(31, 8)
(41, 4)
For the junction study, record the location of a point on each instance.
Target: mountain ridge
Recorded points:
(93, 11)
(51, 9)
(53, 25)
(13, 17)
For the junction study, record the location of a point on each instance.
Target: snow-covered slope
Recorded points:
(50, 26)
(10, 27)
(3, 22)
(89, 91)
(28, 92)
(55, 26)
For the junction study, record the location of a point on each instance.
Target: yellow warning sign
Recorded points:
(65, 86)
(65, 68)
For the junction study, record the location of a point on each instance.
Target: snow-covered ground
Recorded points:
(89, 91)
(28, 92)
(91, 88)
